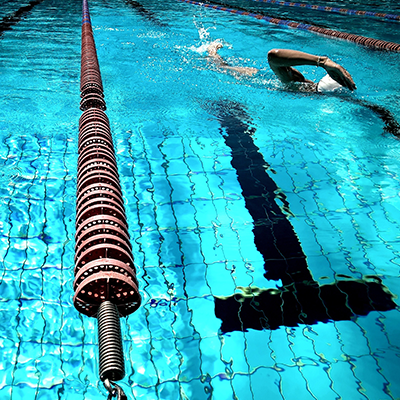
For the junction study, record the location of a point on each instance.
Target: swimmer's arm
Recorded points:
(214, 56)
(221, 63)
(281, 62)
(290, 58)
(339, 74)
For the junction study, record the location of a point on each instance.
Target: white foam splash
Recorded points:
(201, 49)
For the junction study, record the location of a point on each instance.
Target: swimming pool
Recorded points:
(201, 153)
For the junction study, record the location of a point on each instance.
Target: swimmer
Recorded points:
(282, 62)
(221, 63)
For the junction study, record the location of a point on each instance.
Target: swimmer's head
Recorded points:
(327, 84)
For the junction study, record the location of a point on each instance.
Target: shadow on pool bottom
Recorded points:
(301, 303)
(300, 299)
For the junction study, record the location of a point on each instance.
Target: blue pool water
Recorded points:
(218, 172)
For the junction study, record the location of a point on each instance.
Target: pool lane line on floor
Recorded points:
(362, 40)
(8, 21)
(337, 10)
(145, 13)
(299, 299)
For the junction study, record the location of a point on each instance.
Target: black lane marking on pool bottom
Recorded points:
(149, 15)
(300, 300)
(391, 124)
(7, 22)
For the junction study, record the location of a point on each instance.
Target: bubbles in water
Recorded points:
(204, 34)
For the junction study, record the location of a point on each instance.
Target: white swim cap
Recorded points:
(327, 84)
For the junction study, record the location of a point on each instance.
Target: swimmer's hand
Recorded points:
(338, 73)
(213, 48)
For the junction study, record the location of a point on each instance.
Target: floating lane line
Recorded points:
(362, 40)
(337, 10)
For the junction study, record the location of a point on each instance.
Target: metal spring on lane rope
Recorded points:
(110, 343)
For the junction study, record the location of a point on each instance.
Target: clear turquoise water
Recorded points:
(191, 232)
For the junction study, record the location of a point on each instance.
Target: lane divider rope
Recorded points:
(336, 10)
(362, 40)
(105, 282)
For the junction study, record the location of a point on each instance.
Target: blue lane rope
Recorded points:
(363, 40)
(336, 10)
